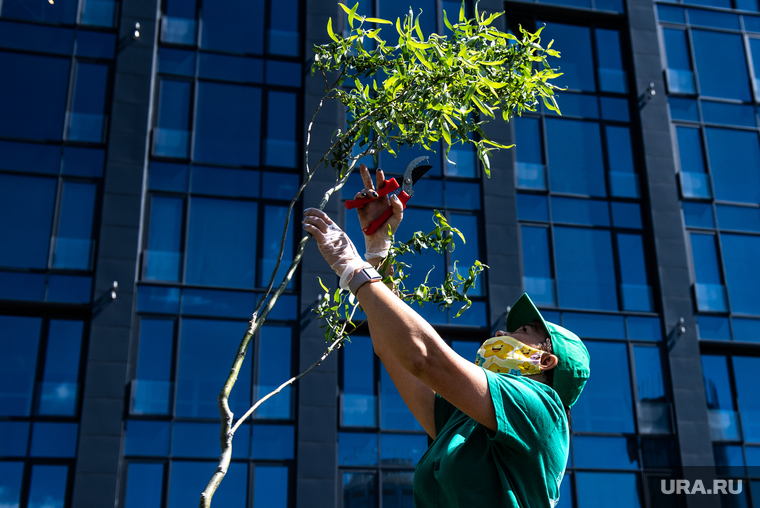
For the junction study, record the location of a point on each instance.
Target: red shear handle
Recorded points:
(403, 197)
(389, 186)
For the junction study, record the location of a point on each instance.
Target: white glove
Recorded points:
(334, 245)
(378, 243)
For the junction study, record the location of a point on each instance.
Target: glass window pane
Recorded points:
(48, 486)
(746, 330)
(222, 243)
(359, 402)
(746, 396)
(171, 136)
(207, 302)
(148, 438)
(623, 180)
(14, 443)
(728, 114)
(711, 294)
(467, 253)
(575, 104)
(26, 204)
(201, 440)
(18, 362)
(274, 223)
(644, 328)
(205, 364)
(537, 269)
(654, 411)
(228, 124)
(695, 183)
(225, 182)
(168, 177)
(679, 72)
(742, 283)
(713, 328)
(397, 488)
(585, 269)
(283, 38)
(698, 215)
(754, 49)
(145, 485)
(274, 342)
(87, 117)
(82, 161)
(273, 442)
(721, 64)
(612, 77)
(596, 489)
(32, 104)
(532, 207)
(187, 476)
(734, 159)
(359, 489)
(54, 439)
(176, 61)
(720, 403)
(73, 243)
(157, 299)
(58, 393)
(577, 62)
(64, 11)
(163, 261)
(580, 211)
(10, 483)
(615, 109)
(634, 286)
(683, 109)
(463, 195)
(152, 392)
(98, 12)
(270, 487)
(393, 411)
(575, 157)
(235, 26)
(729, 460)
(619, 452)
(626, 215)
(179, 22)
(356, 449)
(597, 326)
(401, 449)
(609, 388)
(531, 169)
(280, 148)
(738, 218)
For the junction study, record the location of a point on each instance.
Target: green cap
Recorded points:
(573, 368)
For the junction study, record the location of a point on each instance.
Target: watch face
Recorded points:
(372, 273)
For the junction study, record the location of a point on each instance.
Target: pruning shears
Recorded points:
(400, 186)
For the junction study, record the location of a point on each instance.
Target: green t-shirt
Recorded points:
(520, 465)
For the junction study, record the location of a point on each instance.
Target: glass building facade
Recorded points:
(149, 152)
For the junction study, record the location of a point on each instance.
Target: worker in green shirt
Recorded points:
(499, 425)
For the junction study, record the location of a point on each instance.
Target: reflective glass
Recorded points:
(186, 476)
(282, 185)
(623, 181)
(73, 243)
(157, 299)
(98, 12)
(612, 76)
(738, 218)
(69, 289)
(54, 439)
(700, 17)
(713, 328)
(745, 368)
(148, 438)
(356, 449)
(654, 411)
(179, 22)
(467, 349)
(47, 487)
(203, 363)
(742, 283)
(728, 114)
(57, 394)
(29, 157)
(565, 493)
(615, 109)
(30, 37)
(10, 483)
(609, 388)
(575, 157)
(404, 155)
(168, 177)
(658, 452)
(402, 449)
(720, 404)
(201, 440)
(601, 326)
(626, 215)
(230, 68)
(690, 150)
(465, 164)
(683, 109)
(397, 488)
(280, 147)
(393, 411)
(26, 204)
(467, 253)
(145, 485)
(585, 269)
(359, 490)
(580, 211)
(698, 215)
(221, 243)
(283, 73)
(274, 224)
(359, 403)
(64, 11)
(596, 489)
(429, 193)
(274, 342)
(273, 442)
(746, 330)
(163, 256)
(225, 182)
(679, 72)
(670, 14)
(282, 38)
(154, 362)
(734, 159)
(22, 286)
(729, 460)
(573, 104)
(644, 328)
(463, 195)
(634, 287)
(711, 294)
(171, 136)
(754, 49)
(18, 362)
(176, 61)
(208, 302)
(228, 118)
(532, 207)
(605, 452)
(531, 170)
(13, 443)
(721, 65)
(429, 259)
(32, 104)
(235, 26)
(95, 44)
(87, 117)
(577, 61)
(82, 161)
(537, 268)
(270, 486)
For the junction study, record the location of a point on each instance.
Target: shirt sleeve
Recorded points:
(527, 413)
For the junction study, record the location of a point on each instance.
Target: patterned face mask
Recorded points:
(507, 355)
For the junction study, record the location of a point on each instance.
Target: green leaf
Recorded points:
(446, 21)
(492, 84)
(378, 20)
(445, 132)
(330, 30)
(323, 286)
(491, 18)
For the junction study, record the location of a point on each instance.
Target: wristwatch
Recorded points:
(363, 276)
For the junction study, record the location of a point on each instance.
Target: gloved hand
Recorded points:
(335, 245)
(378, 243)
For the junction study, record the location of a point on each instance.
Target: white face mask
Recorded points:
(507, 355)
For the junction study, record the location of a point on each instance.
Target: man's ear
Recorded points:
(548, 361)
